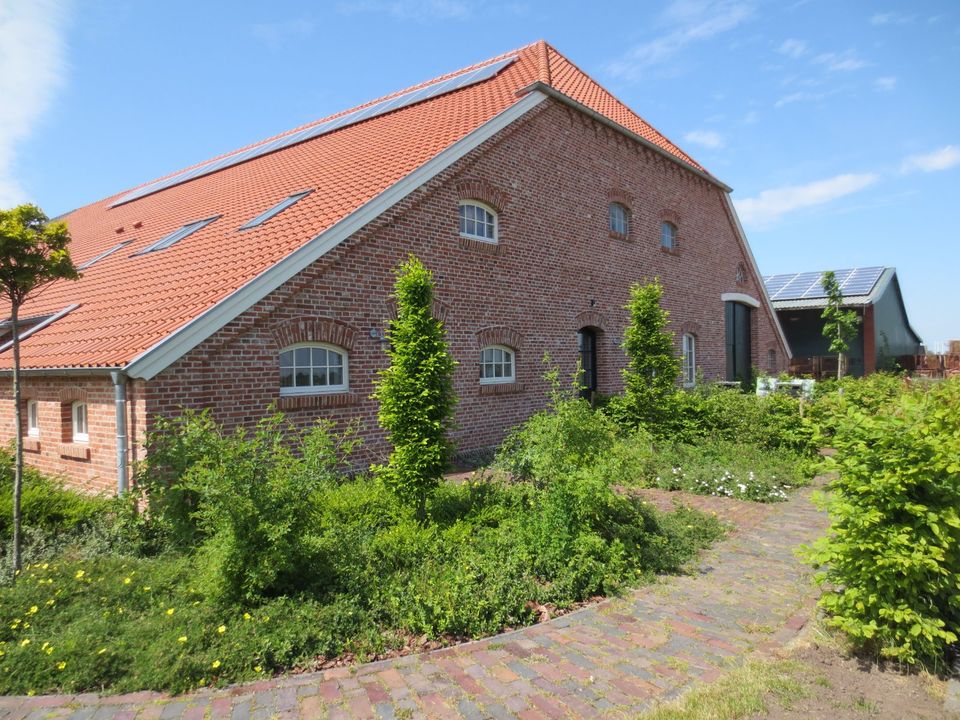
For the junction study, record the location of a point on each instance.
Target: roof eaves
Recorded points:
(174, 346)
(601, 118)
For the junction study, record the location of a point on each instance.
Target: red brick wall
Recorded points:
(556, 269)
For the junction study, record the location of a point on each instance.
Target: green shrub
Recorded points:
(891, 560)
(46, 505)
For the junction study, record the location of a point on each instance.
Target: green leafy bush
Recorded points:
(46, 505)
(891, 560)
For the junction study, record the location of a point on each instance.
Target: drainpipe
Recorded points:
(120, 400)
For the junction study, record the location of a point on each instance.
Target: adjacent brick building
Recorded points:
(534, 196)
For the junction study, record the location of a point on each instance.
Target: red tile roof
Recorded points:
(127, 304)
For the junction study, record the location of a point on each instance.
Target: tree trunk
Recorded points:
(18, 439)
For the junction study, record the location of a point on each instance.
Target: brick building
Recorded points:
(264, 276)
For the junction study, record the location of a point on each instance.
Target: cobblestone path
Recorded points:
(749, 593)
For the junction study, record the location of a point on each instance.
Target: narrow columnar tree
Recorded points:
(416, 391)
(652, 362)
(33, 253)
(840, 326)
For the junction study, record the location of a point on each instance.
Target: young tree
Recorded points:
(840, 326)
(416, 390)
(650, 377)
(33, 253)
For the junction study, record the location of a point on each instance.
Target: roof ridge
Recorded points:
(321, 120)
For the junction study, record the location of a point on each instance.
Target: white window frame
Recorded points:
(315, 389)
(496, 222)
(664, 225)
(622, 209)
(689, 362)
(80, 422)
(498, 380)
(33, 418)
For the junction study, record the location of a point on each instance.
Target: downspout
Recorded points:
(120, 400)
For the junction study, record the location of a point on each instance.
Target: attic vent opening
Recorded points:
(275, 210)
(441, 87)
(176, 236)
(105, 253)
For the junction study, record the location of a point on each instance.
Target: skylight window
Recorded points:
(275, 210)
(177, 235)
(105, 253)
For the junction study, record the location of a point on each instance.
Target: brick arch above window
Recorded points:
(690, 328)
(589, 318)
(484, 191)
(671, 216)
(499, 335)
(314, 329)
(73, 394)
(620, 196)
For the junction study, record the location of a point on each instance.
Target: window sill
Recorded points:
(75, 451)
(670, 251)
(618, 235)
(484, 246)
(491, 389)
(317, 400)
(31, 444)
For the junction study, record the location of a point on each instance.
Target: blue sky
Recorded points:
(836, 123)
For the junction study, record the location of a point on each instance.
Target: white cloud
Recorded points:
(770, 205)
(411, 9)
(274, 35)
(800, 96)
(793, 48)
(942, 159)
(707, 138)
(890, 18)
(885, 84)
(31, 70)
(687, 21)
(840, 62)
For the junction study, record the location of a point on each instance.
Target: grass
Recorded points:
(741, 693)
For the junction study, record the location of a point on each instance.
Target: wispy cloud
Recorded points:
(886, 84)
(840, 62)
(707, 138)
(275, 35)
(685, 22)
(32, 68)
(890, 18)
(942, 159)
(800, 96)
(410, 9)
(793, 48)
(770, 205)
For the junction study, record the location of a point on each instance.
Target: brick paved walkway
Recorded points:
(750, 593)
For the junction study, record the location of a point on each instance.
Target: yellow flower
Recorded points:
(257, 668)
(50, 650)
(126, 581)
(169, 611)
(61, 665)
(26, 625)
(182, 639)
(30, 693)
(215, 664)
(33, 610)
(146, 588)
(246, 616)
(45, 646)
(45, 566)
(101, 651)
(24, 642)
(51, 601)
(222, 629)
(80, 574)
(203, 681)
(2, 653)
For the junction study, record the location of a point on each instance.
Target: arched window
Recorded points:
(478, 221)
(496, 365)
(668, 235)
(78, 415)
(309, 368)
(619, 219)
(689, 365)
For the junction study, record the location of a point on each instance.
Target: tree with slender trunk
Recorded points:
(33, 253)
(840, 326)
(416, 391)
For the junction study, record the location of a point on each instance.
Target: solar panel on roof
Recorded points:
(401, 101)
(809, 285)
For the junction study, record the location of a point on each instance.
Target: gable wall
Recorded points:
(557, 268)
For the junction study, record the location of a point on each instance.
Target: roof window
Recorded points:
(177, 235)
(275, 210)
(105, 253)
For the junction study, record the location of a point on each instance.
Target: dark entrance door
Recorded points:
(587, 340)
(738, 341)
